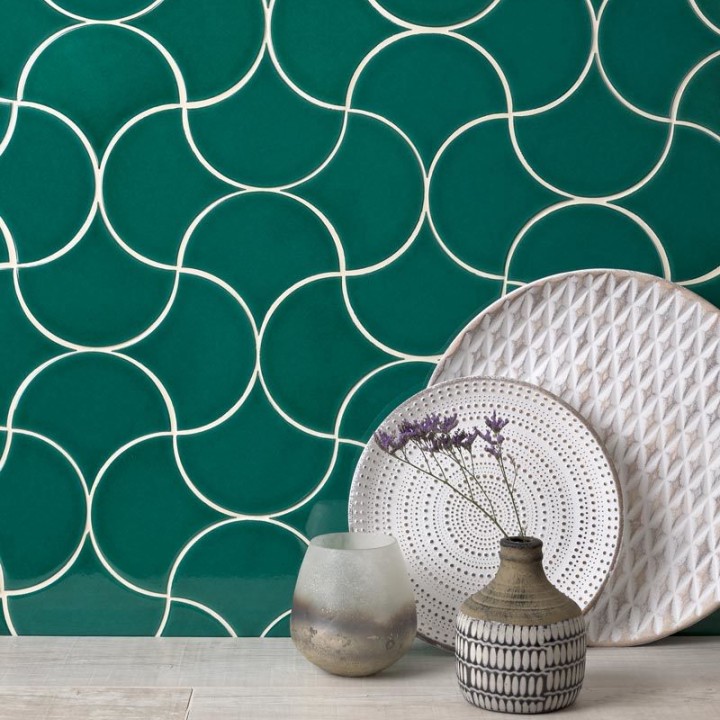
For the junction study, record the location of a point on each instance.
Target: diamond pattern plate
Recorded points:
(639, 359)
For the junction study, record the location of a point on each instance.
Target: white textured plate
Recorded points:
(567, 492)
(639, 358)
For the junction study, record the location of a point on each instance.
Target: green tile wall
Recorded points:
(236, 233)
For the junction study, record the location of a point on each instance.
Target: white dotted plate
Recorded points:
(639, 358)
(566, 488)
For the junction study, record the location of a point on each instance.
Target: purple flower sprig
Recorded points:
(431, 434)
(494, 446)
(492, 436)
(436, 436)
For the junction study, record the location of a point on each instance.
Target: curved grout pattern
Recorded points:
(186, 313)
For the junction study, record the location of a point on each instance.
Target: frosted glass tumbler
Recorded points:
(353, 610)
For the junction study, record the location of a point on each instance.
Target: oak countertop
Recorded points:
(258, 678)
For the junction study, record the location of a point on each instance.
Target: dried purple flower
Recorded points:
(495, 423)
(447, 423)
(438, 435)
(385, 440)
(465, 440)
(487, 437)
(430, 434)
(492, 437)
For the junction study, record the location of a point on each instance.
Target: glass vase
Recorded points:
(353, 610)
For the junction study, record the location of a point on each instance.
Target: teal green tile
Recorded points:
(371, 191)
(226, 568)
(103, 9)
(24, 24)
(381, 394)
(205, 372)
(709, 289)
(640, 62)
(38, 538)
(214, 47)
(4, 629)
(189, 621)
(100, 76)
(44, 162)
(421, 83)
(420, 318)
(700, 102)
(584, 236)
(431, 12)
(5, 114)
(311, 272)
(265, 134)
(151, 210)
(320, 43)
(530, 40)
(86, 601)
(327, 512)
(278, 241)
(481, 196)
(237, 464)
(710, 9)
(96, 294)
(143, 513)
(680, 203)
(591, 144)
(91, 404)
(308, 372)
(30, 347)
(709, 626)
(280, 629)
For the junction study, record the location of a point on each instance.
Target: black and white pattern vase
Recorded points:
(520, 643)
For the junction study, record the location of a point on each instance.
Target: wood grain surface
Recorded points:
(259, 679)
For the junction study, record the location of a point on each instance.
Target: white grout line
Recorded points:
(184, 105)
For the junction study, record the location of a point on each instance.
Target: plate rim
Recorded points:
(549, 279)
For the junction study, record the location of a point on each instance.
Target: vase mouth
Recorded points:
(353, 541)
(518, 542)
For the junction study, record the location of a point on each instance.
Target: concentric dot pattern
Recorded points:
(566, 490)
(234, 240)
(639, 359)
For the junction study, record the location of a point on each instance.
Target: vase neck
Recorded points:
(520, 558)
(521, 549)
(520, 592)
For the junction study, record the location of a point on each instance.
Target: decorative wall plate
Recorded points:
(567, 492)
(639, 358)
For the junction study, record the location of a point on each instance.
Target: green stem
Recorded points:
(472, 475)
(448, 455)
(404, 459)
(511, 492)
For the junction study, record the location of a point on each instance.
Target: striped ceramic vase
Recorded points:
(520, 643)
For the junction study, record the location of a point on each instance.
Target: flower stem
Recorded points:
(472, 475)
(404, 459)
(511, 492)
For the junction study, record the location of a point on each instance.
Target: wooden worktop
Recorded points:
(218, 679)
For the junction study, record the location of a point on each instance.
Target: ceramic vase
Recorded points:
(520, 643)
(353, 610)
